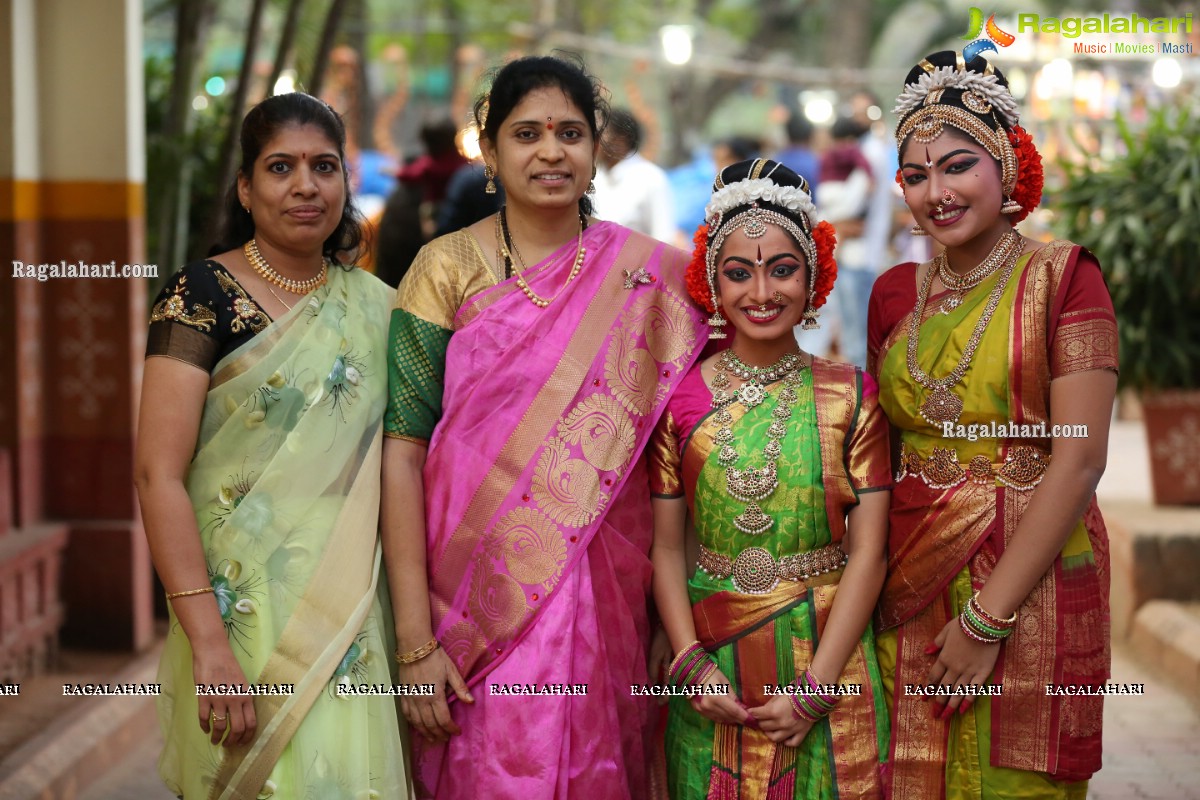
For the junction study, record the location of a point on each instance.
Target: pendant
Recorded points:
(752, 394)
(751, 485)
(753, 521)
(941, 406)
(952, 302)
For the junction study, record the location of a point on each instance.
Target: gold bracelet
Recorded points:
(413, 656)
(189, 592)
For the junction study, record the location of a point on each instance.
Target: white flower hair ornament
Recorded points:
(932, 83)
(791, 198)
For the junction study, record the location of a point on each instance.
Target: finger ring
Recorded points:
(212, 715)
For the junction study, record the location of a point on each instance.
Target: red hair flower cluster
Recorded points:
(696, 275)
(1030, 179)
(825, 238)
(900, 178)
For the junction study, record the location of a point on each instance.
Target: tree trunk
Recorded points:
(328, 34)
(286, 40)
(169, 198)
(225, 163)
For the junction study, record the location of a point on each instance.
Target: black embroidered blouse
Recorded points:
(202, 315)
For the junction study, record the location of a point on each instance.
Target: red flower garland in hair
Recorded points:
(825, 238)
(1030, 179)
(696, 275)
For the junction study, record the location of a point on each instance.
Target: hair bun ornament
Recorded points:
(982, 93)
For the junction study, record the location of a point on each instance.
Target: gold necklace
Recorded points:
(753, 484)
(277, 297)
(942, 405)
(508, 247)
(260, 265)
(960, 284)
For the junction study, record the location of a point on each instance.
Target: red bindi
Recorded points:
(549, 124)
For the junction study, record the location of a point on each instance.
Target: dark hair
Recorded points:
(261, 125)
(846, 128)
(799, 129)
(438, 136)
(623, 124)
(743, 148)
(518, 78)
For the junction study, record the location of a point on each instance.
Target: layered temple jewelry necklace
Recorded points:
(960, 284)
(943, 405)
(260, 265)
(750, 485)
(508, 247)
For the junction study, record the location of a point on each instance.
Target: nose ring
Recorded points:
(778, 297)
(948, 197)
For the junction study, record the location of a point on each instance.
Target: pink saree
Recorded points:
(539, 522)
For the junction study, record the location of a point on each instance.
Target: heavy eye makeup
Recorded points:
(782, 265)
(917, 173)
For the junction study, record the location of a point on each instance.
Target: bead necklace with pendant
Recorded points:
(508, 248)
(752, 484)
(943, 405)
(960, 284)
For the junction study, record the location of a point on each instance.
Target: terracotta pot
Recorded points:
(1173, 432)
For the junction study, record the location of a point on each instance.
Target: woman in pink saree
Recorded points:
(523, 388)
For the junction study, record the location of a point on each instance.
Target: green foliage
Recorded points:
(1138, 214)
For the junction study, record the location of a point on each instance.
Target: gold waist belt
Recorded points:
(1022, 469)
(756, 571)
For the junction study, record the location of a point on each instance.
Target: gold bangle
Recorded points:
(189, 592)
(412, 656)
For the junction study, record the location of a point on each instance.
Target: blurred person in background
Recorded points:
(733, 149)
(845, 199)
(530, 356)
(432, 170)
(798, 155)
(258, 473)
(467, 201)
(631, 190)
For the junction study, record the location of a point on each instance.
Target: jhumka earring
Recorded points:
(592, 183)
(917, 230)
(810, 320)
(715, 324)
(1010, 206)
(490, 174)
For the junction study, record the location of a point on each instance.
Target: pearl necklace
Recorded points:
(508, 247)
(752, 484)
(260, 265)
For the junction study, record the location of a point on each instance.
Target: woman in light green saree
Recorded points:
(258, 470)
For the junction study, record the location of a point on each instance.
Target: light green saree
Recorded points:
(285, 483)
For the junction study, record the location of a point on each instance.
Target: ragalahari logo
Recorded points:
(994, 36)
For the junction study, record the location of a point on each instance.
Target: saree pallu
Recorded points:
(836, 447)
(538, 519)
(285, 485)
(1054, 318)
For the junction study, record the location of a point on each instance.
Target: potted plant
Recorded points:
(1139, 214)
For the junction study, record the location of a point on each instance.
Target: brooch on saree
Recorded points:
(640, 276)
